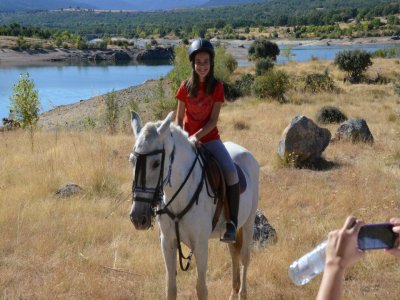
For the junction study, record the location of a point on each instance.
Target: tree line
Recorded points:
(196, 22)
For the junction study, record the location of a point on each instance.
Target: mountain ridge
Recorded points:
(140, 5)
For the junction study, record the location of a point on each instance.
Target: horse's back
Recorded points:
(244, 158)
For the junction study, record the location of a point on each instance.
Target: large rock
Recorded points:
(263, 232)
(355, 130)
(303, 141)
(158, 53)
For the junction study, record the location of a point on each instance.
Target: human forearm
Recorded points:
(331, 285)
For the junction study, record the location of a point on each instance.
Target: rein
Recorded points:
(177, 217)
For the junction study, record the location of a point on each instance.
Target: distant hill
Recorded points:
(21, 5)
(142, 5)
(231, 2)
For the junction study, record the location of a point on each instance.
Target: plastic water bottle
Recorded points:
(308, 266)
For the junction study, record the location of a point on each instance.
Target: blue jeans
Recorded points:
(218, 149)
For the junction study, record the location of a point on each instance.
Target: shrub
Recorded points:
(263, 65)
(244, 84)
(272, 84)
(112, 112)
(224, 64)
(318, 82)
(329, 115)
(231, 91)
(263, 48)
(89, 123)
(163, 105)
(354, 63)
(241, 87)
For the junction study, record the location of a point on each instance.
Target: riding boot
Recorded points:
(233, 195)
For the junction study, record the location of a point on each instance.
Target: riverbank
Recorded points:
(43, 57)
(237, 48)
(89, 112)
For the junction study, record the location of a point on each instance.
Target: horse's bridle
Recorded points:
(139, 184)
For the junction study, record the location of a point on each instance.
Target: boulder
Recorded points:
(303, 141)
(263, 232)
(121, 56)
(158, 53)
(68, 190)
(355, 130)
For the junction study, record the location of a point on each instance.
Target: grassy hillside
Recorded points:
(85, 247)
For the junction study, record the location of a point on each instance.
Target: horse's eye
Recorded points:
(156, 164)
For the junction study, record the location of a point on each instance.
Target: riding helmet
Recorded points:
(201, 45)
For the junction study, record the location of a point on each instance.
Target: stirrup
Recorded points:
(223, 238)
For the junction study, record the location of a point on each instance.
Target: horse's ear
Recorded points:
(165, 124)
(136, 123)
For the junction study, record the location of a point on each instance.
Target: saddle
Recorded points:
(217, 186)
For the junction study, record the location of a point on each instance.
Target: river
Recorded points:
(60, 85)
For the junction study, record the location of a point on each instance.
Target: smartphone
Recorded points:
(377, 236)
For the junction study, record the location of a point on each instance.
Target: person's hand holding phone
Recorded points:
(396, 228)
(342, 250)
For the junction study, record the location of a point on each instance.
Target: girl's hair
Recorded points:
(192, 84)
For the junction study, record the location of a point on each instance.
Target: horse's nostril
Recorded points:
(144, 220)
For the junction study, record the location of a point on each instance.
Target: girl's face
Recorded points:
(202, 65)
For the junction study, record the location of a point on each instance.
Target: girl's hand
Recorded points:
(193, 139)
(396, 228)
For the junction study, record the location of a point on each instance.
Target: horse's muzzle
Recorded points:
(141, 222)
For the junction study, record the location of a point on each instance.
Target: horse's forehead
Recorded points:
(147, 139)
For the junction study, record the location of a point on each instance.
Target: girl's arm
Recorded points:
(180, 112)
(341, 253)
(212, 122)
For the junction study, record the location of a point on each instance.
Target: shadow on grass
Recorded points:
(319, 164)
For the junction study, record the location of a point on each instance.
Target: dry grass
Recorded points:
(85, 247)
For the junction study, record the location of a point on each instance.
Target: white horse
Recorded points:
(168, 176)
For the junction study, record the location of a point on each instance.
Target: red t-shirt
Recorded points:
(198, 109)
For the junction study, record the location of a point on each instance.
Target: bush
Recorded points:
(163, 105)
(329, 115)
(263, 65)
(244, 84)
(354, 63)
(263, 48)
(318, 82)
(272, 84)
(231, 91)
(112, 112)
(241, 87)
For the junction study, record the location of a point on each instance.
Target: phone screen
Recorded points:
(376, 236)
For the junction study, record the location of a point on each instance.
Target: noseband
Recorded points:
(139, 184)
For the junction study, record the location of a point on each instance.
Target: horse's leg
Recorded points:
(169, 252)
(200, 251)
(234, 251)
(247, 237)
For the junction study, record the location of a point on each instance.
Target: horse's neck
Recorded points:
(184, 158)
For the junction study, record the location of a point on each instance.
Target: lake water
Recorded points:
(68, 84)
